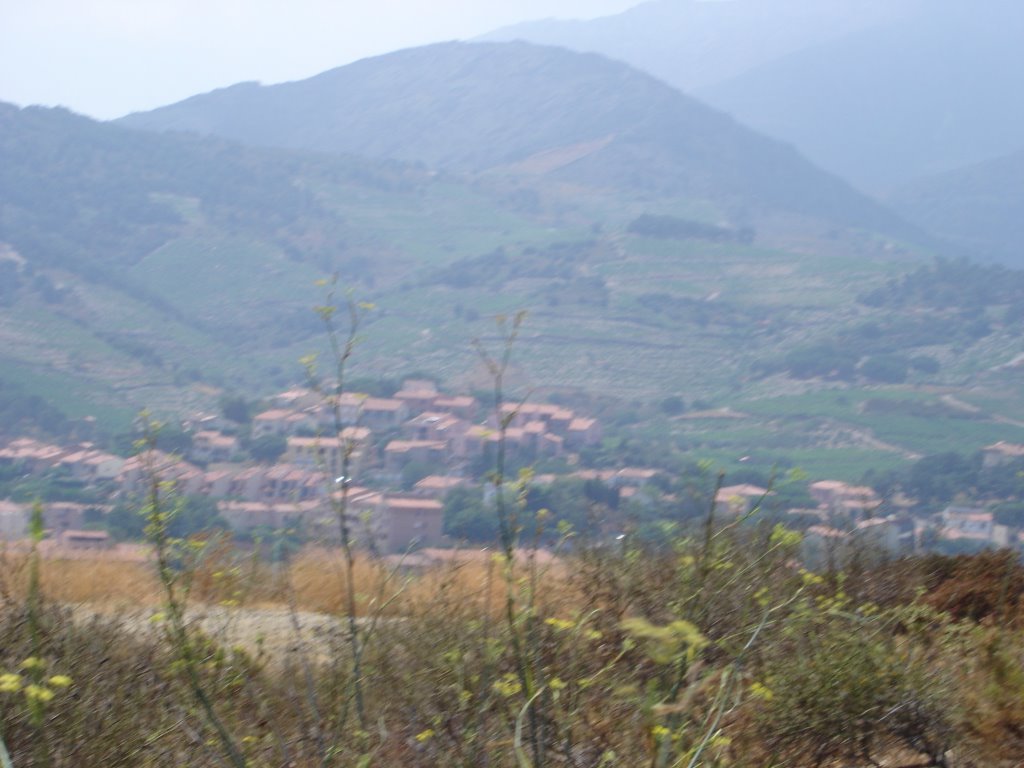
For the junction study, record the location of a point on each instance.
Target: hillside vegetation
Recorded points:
(515, 106)
(209, 282)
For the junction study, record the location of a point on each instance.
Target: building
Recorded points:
(138, 474)
(283, 422)
(383, 413)
(418, 395)
(409, 522)
(248, 516)
(210, 447)
(739, 500)
(329, 454)
(849, 502)
(582, 433)
(400, 453)
(1000, 454)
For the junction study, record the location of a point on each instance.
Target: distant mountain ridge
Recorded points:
(696, 44)
(933, 91)
(524, 108)
(979, 209)
(880, 93)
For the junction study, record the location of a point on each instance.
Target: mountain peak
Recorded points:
(479, 107)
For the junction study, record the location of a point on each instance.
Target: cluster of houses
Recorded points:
(854, 519)
(349, 452)
(851, 519)
(419, 424)
(345, 451)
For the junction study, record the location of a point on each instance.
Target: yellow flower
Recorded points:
(426, 735)
(507, 686)
(60, 681)
(10, 683)
(38, 693)
(560, 624)
(33, 662)
(761, 691)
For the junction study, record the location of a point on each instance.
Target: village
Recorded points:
(391, 462)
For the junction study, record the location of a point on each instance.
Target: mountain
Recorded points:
(980, 209)
(696, 44)
(138, 269)
(529, 110)
(929, 92)
(880, 93)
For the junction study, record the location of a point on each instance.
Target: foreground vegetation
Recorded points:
(713, 650)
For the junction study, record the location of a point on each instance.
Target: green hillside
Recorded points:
(209, 284)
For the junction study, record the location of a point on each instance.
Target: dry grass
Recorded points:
(442, 683)
(106, 583)
(314, 581)
(319, 582)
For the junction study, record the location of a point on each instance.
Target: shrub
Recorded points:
(852, 685)
(889, 369)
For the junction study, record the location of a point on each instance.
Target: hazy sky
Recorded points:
(105, 58)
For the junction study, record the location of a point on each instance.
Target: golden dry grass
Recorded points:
(315, 580)
(100, 581)
(319, 581)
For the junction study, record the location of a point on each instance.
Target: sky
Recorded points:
(106, 58)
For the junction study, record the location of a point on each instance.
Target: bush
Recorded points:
(851, 685)
(673, 405)
(824, 360)
(888, 369)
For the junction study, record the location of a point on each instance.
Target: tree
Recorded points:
(890, 369)
(673, 405)
(235, 408)
(268, 448)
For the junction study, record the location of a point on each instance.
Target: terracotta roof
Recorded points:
(457, 401)
(439, 482)
(382, 404)
(406, 504)
(401, 446)
(275, 414)
(953, 534)
(973, 517)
